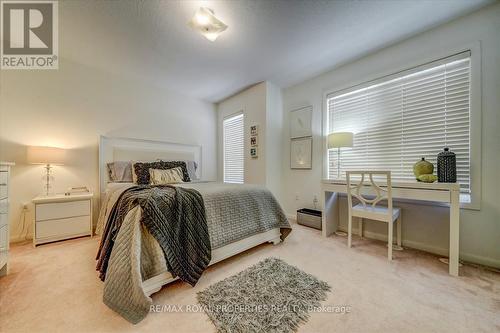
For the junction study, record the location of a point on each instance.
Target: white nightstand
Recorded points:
(59, 217)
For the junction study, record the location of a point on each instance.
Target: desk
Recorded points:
(405, 189)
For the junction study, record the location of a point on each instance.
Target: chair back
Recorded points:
(356, 188)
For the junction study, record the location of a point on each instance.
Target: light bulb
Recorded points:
(202, 19)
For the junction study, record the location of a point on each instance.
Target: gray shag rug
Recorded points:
(271, 296)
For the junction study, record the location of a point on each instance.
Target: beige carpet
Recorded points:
(54, 288)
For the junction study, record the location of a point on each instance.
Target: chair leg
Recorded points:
(400, 218)
(389, 241)
(349, 231)
(360, 226)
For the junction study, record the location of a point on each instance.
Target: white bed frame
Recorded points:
(128, 149)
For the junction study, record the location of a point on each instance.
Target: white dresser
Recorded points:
(59, 217)
(4, 215)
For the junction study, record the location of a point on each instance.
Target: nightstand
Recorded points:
(59, 217)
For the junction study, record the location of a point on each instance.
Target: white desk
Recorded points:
(413, 190)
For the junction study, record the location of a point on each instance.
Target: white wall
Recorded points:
(70, 107)
(274, 140)
(261, 105)
(252, 102)
(424, 227)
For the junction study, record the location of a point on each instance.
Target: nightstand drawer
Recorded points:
(4, 185)
(3, 258)
(61, 210)
(3, 220)
(63, 227)
(3, 238)
(4, 206)
(4, 178)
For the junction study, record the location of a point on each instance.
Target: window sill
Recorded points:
(467, 202)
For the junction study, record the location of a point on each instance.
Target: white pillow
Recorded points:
(163, 177)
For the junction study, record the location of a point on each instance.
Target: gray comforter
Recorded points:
(234, 212)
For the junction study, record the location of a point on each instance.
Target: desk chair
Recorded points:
(367, 208)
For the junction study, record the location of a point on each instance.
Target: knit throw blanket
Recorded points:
(176, 218)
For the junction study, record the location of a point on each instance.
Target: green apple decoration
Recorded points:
(428, 178)
(423, 167)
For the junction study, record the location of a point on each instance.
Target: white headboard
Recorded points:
(127, 149)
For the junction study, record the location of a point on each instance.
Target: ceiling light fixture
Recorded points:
(207, 24)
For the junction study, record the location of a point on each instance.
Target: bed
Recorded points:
(239, 217)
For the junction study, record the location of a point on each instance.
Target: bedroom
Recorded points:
(262, 104)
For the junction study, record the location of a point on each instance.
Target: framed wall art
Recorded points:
(301, 153)
(300, 122)
(254, 130)
(254, 141)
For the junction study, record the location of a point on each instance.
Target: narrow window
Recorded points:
(234, 147)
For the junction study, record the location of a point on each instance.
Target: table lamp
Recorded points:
(340, 140)
(47, 156)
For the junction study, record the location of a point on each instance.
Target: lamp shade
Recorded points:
(340, 140)
(45, 155)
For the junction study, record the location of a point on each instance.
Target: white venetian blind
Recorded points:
(398, 119)
(233, 149)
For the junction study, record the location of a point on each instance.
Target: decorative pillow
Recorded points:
(120, 171)
(163, 177)
(191, 168)
(141, 170)
(134, 176)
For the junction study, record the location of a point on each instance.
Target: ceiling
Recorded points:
(284, 42)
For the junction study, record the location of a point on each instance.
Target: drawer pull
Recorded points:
(3, 184)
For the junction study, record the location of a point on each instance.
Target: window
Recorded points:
(398, 119)
(233, 146)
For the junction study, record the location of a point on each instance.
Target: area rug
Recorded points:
(271, 296)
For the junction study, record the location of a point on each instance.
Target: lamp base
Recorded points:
(48, 175)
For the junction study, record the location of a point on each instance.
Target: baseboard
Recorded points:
(291, 217)
(467, 257)
(485, 261)
(20, 239)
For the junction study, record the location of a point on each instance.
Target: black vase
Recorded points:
(447, 166)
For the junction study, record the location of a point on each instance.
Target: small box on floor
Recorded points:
(309, 217)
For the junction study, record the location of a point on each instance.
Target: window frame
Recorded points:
(227, 117)
(474, 48)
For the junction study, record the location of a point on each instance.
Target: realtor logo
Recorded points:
(29, 33)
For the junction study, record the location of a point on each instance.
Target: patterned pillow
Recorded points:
(141, 170)
(164, 177)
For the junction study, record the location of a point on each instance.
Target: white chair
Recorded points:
(367, 208)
